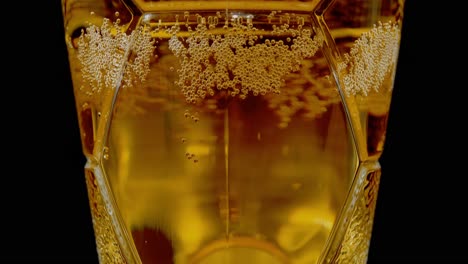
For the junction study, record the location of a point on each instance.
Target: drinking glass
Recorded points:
(232, 131)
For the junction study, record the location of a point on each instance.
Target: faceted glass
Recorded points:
(232, 131)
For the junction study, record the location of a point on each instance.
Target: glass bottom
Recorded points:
(240, 250)
(349, 242)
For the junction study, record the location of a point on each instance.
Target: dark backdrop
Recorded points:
(420, 207)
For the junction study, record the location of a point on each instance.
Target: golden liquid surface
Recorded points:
(235, 146)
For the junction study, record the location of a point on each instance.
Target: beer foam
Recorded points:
(112, 58)
(372, 57)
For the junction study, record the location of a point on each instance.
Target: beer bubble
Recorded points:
(103, 61)
(213, 61)
(189, 155)
(105, 152)
(376, 51)
(183, 140)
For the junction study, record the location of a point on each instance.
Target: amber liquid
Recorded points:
(203, 162)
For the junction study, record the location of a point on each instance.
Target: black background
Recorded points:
(421, 205)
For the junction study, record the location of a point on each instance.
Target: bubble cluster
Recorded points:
(371, 59)
(105, 152)
(108, 244)
(193, 116)
(191, 156)
(112, 58)
(240, 60)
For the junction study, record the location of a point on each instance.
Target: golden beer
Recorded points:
(232, 131)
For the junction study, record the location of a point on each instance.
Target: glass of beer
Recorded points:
(221, 132)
